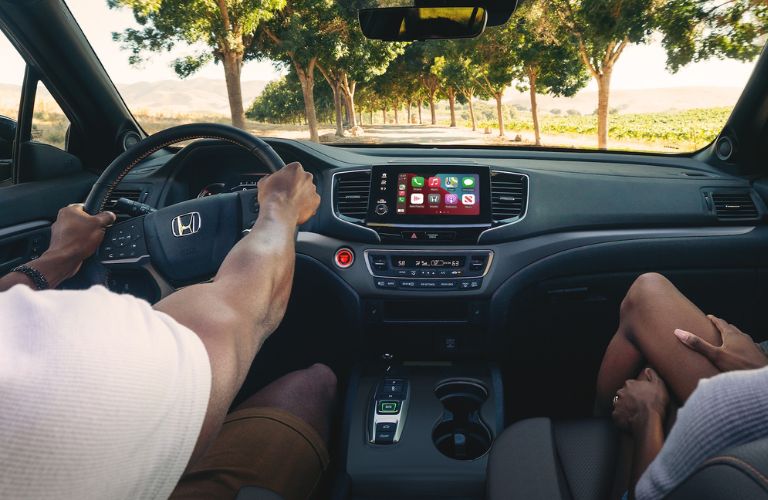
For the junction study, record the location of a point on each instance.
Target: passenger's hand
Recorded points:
(76, 235)
(290, 189)
(640, 401)
(738, 352)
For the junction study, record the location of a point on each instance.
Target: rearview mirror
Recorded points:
(401, 24)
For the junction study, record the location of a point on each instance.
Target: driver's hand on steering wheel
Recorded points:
(290, 190)
(76, 235)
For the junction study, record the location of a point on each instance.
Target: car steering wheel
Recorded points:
(184, 243)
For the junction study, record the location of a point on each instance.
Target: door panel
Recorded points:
(27, 211)
(23, 243)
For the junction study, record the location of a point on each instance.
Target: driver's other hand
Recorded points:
(291, 187)
(76, 234)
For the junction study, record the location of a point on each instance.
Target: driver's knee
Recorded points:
(309, 394)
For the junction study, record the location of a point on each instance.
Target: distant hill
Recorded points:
(209, 96)
(634, 101)
(196, 95)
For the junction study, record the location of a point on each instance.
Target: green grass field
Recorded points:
(688, 130)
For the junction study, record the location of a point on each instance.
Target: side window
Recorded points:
(11, 78)
(49, 123)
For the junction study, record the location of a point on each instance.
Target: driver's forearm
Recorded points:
(237, 311)
(257, 274)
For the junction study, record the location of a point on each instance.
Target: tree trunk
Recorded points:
(351, 107)
(408, 116)
(452, 103)
(371, 116)
(384, 116)
(337, 110)
(432, 108)
(397, 120)
(603, 93)
(307, 80)
(534, 105)
(233, 63)
(421, 105)
(470, 97)
(499, 113)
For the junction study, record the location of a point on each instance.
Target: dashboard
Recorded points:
(400, 222)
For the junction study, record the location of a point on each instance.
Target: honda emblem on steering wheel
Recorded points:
(186, 224)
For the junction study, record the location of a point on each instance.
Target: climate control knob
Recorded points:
(381, 209)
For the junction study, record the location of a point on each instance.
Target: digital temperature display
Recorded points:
(431, 262)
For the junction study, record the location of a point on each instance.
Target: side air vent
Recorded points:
(131, 194)
(509, 196)
(351, 191)
(734, 206)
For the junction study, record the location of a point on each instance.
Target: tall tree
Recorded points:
(299, 35)
(354, 59)
(225, 27)
(496, 66)
(449, 77)
(282, 101)
(602, 29)
(415, 65)
(692, 30)
(546, 63)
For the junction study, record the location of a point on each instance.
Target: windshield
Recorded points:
(662, 77)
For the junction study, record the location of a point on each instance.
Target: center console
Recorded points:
(421, 430)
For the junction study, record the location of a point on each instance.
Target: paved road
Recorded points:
(441, 135)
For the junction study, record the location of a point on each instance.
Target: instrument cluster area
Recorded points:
(236, 182)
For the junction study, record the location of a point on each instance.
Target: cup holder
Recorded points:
(460, 433)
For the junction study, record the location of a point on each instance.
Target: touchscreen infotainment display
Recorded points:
(438, 194)
(430, 195)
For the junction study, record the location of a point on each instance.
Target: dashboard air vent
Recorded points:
(509, 195)
(350, 194)
(734, 206)
(131, 194)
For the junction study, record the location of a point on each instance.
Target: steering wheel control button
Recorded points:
(381, 209)
(388, 407)
(344, 258)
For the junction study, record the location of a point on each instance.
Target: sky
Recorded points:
(639, 66)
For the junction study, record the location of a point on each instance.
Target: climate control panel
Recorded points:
(418, 270)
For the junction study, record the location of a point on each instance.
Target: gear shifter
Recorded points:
(389, 406)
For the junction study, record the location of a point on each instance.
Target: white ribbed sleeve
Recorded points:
(100, 396)
(724, 411)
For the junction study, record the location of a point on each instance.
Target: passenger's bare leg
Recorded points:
(650, 313)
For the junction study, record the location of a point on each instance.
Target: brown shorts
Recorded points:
(263, 447)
